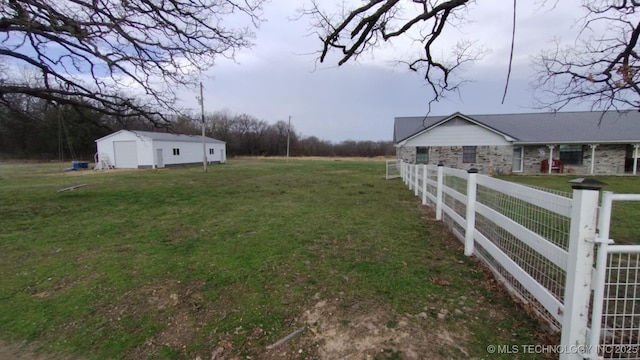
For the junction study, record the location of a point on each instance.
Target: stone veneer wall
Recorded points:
(489, 159)
(499, 159)
(406, 153)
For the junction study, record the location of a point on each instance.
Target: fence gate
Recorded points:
(393, 169)
(615, 317)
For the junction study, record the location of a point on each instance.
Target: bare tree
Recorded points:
(601, 68)
(356, 30)
(89, 52)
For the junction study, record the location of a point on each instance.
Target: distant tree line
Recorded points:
(33, 129)
(246, 135)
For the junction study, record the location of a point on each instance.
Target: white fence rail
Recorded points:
(541, 245)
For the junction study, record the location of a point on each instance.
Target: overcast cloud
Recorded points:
(279, 76)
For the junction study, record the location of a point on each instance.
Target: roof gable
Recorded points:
(405, 127)
(455, 119)
(111, 135)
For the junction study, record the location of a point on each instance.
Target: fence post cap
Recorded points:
(472, 171)
(440, 163)
(586, 184)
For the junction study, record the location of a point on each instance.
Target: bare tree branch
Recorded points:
(602, 68)
(91, 52)
(601, 71)
(356, 30)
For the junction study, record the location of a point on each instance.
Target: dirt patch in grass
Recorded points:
(331, 330)
(14, 352)
(375, 331)
(175, 306)
(366, 330)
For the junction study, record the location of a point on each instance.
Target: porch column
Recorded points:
(551, 147)
(635, 158)
(593, 156)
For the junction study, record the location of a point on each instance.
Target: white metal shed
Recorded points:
(146, 150)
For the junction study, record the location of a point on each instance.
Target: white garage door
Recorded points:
(126, 155)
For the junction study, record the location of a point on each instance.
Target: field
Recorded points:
(181, 264)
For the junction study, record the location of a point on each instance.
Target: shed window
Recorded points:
(469, 154)
(422, 155)
(571, 154)
(176, 151)
(210, 151)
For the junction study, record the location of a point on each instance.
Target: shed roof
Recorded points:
(167, 136)
(536, 128)
(174, 137)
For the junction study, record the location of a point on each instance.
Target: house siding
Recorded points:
(190, 152)
(459, 132)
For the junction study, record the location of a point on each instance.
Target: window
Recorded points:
(517, 159)
(468, 154)
(176, 151)
(571, 154)
(422, 155)
(210, 151)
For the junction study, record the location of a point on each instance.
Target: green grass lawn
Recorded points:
(181, 264)
(625, 215)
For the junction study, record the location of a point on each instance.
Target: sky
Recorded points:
(280, 75)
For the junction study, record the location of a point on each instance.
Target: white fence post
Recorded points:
(604, 223)
(406, 173)
(439, 191)
(582, 236)
(469, 231)
(424, 184)
(413, 177)
(417, 172)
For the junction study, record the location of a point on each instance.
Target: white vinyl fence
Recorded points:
(541, 245)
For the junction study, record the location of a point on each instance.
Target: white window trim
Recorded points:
(521, 159)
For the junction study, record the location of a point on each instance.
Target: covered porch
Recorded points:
(587, 159)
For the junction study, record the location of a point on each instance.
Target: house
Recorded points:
(146, 150)
(572, 142)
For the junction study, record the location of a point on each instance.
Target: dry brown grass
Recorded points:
(316, 158)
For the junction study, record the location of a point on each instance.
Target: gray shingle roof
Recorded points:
(175, 137)
(559, 127)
